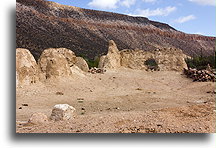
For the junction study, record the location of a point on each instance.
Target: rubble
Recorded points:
(95, 70)
(200, 75)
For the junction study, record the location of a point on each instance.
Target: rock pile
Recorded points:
(95, 70)
(200, 75)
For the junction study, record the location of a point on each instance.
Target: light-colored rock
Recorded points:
(134, 59)
(208, 68)
(68, 54)
(77, 71)
(62, 112)
(170, 59)
(38, 118)
(167, 59)
(53, 64)
(26, 68)
(101, 61)
(112, 59)
(82, 64)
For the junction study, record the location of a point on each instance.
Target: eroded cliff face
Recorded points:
(42, 24)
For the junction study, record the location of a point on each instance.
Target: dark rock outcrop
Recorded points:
(42, 24)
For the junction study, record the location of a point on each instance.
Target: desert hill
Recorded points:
(43, 24)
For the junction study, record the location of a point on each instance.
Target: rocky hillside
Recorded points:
(42, 24)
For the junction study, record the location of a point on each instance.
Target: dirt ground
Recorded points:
(121, 101)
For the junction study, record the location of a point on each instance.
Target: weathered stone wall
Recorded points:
(27, 70)
(53, 63)
(167, 59)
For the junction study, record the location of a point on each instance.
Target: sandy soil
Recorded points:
(121, 101)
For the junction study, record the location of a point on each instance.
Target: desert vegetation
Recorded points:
(201, 62)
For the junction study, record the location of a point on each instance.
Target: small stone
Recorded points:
(62, 112)
(117, 108)
(24, 104)
(38, 118)
(59, 93)
(81, 100)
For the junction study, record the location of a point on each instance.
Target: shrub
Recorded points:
(92, 63)
(201, 62)
(151, 64)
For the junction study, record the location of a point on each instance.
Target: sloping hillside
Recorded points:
(42, 24)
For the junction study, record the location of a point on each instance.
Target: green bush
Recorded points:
(91, 62)
(201, 62)
(151, 64)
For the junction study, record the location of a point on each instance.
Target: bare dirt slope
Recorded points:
(121, 101)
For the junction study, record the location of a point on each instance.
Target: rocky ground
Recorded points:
(121, 101)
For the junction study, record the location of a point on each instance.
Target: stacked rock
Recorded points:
(200, 75)
(95, 70)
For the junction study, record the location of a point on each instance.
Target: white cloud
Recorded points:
(185, 19)
(128, 3)
(156, 12)
(149, 1)
(200, 33)
(205, 2)
(104, 4)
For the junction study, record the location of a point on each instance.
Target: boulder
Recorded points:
(82, 64)
(26, 68)
(112, 59)
(68, 54)
(38, 118)
(62, 112)
(53, 64)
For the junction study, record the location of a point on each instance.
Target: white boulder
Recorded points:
(62, 112)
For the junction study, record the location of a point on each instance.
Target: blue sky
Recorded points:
(190, 16)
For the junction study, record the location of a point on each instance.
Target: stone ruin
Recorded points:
(27, 70)
(112, 59)
(167, 59)
(62, 62)
(53, 63)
